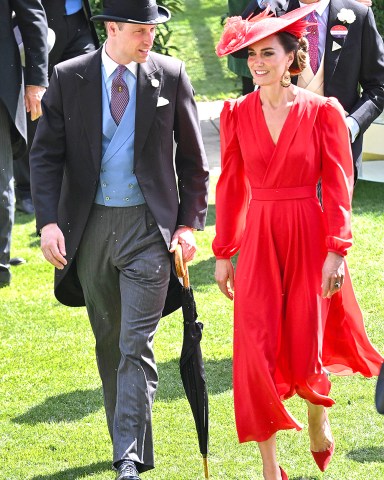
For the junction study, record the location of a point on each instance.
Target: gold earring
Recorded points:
(286, 79)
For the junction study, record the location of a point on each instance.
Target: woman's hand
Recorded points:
(224, 275)
(333, 274)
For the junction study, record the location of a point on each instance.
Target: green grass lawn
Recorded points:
(52, 424)
(196, 32)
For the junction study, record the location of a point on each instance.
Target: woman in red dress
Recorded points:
(295, 314)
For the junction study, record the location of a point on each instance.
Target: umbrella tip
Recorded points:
(205, 463)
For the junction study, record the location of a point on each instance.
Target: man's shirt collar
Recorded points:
(320, 9)
(110, 65)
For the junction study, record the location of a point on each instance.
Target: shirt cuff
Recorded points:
(353, 127)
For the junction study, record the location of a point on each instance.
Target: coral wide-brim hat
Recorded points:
(239, 33)
(145, 12)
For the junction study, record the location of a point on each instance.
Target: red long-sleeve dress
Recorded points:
(285, 333)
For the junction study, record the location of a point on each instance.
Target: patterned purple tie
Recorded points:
(119, 94)
(313, 40)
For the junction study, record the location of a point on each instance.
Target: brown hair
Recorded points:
(299, 47)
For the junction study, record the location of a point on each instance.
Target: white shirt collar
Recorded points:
(110, 65)
(320, 9)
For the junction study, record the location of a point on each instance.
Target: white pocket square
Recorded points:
(162, 101)
(335, 46)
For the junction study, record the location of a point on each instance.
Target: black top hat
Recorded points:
(133, 11)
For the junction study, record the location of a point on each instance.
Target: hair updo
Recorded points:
(299, 47)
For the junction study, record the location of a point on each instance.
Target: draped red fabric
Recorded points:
(285, 333)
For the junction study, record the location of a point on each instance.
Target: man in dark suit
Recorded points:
(353, 64)
(111, 200)
(75, 35)
(15, 99)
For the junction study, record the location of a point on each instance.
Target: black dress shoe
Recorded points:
(25, 205)
(16, 261)
(5, 277)
(127, 471)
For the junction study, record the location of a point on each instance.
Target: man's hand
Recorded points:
(33, 96)
(53, 245)
(184, 236)
(367, 3)
(225, 277)
(333, 274)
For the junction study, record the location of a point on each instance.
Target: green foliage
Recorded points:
(162, 42)
(164, 31)
(96, 8)
(378, 10)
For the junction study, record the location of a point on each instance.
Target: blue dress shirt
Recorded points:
(73, 6)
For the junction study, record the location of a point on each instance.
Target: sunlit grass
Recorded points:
(196, 32)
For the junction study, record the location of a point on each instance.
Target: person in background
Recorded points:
(347, 62)
(112, 201)
(296, 317)
(346, 30)
(18, 95)
(75, 35)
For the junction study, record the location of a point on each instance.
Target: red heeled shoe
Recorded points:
(284, 476)
(322, 459)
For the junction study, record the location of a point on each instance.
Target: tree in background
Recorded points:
(162, 42)
(378, 10)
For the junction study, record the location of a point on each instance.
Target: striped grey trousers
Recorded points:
(7, 200)
(124, 268)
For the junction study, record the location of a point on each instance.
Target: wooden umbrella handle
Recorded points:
(181, 266)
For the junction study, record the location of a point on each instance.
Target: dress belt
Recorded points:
(283, 193)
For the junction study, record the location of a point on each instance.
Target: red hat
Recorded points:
(239, 33)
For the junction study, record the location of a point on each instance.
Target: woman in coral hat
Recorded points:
(295, 314)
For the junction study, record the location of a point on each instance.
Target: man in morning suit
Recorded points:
(15, 99)
(111, 200)
(350, 64)
(75, 35)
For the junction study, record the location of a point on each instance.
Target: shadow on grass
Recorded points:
(77, 472)
(23, 218)
(368, 197)
(304, 478)
(211, 217)
(218, 376)
(72, 406)
(66, 407)
(202, 273)
(367, 455)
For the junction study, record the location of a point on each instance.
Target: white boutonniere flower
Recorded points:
(155, 82)
(346, 15)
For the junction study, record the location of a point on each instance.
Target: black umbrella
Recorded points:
(191, 361)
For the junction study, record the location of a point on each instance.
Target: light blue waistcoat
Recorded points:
(118, 185)
(72, 6)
